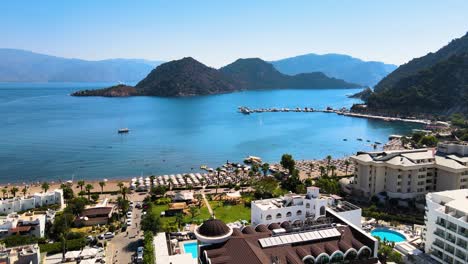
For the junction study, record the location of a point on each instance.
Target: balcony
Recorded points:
(460, 255)
(439, 244)
(452, 228)
(442, 224)
(451, 239)
(450, 249)
(440, 233)
(461, 243)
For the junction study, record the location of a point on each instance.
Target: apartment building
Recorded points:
(410, 174)
(446, 232)
(19, 204)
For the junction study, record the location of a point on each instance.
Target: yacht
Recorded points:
(123, 130)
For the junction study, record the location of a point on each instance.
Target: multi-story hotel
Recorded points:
(408, 174)
(446, 233)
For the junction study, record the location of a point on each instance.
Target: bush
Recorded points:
(54, 248)
(162, 201)
(148, 249)
(17, 240)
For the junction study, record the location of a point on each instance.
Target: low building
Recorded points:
(293, 207)
(175, 208)
(445, 236)
(183, 196)
(29, 224)
(162, 256)
(28, 254)
(410, 174)
(327, 239)
(19, 204)
(99, 214)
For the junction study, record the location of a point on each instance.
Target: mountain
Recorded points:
(25, 66)
(185, 77)
(188, 77)
(340, 66)
(436, 83)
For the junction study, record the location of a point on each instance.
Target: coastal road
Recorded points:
(122, 248)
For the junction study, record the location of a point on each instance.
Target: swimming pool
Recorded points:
(192, 248)
(388, 235)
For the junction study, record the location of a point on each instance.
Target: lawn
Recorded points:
(168, 221)
(230, 213)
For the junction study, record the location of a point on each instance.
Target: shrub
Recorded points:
(53, 248)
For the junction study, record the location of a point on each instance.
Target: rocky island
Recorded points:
(188, 77)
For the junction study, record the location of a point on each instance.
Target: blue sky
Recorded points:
(218, 32)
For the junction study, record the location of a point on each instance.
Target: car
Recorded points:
(131, 203)
(90, 239)
(129, 214)
(106, 235)
(139, 255)
(129, 222)
(138, 205)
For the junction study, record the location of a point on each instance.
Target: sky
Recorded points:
(218, 32)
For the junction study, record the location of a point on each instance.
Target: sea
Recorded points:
(46, 134)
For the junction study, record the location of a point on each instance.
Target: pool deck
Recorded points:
(401, 232)
(182, 244)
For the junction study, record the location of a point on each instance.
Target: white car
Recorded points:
(129, 222)
(129, 214)
(106, 235)
(139, 256)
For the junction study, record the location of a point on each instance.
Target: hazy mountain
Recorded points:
(25, 66)
(436, 83)
(336, 65)
(187, 77)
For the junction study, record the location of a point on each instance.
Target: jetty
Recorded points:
(342, 111)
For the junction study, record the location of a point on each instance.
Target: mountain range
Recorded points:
(339, 66)
(436, 83)
(25, 66)
(188, 77)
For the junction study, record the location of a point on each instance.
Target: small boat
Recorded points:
(123, 130)
(344, 139)
(377, 143)
(368, 140)
(359, 139)
(203, 167)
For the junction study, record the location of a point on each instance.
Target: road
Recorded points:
(122, 247)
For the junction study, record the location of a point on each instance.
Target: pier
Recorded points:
(343, 111)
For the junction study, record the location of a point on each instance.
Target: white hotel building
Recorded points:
(19, 204)
(410, 174)
(293, 207)
(446, 234)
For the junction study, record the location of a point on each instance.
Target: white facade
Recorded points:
(446, 233)
(294, 207)
(19, 204)
(408, 174)
(35, 222)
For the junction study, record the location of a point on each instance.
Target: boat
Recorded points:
(368, 140)
(123, 130)
(253, 159)
(203, 167)
(344, 139)
(359, 139)
(377, 143)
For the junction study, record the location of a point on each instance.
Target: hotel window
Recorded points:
(268, 217)
(307, 205)
(278, 215)
(288, 214)
(299, 212)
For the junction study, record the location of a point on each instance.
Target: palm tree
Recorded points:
(333, 168)
(152, 177)
(347, 163)
(81, 183)
(329, 158)
(14, 190)
(45, 186)
(88, 189)
(24, 191)
(4, 191)
(102, 184)
(218, 171)
(322, 171)
(120, 184)
(125, 191)
(265, 168)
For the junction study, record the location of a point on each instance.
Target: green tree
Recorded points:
(148, 248)
(429, 141)
(265, 168)
(102, 184)
(265, 187)
(347, 163)
(333, 168)
(24, 191)
(76, 206)
(81, 184)
(120, 185)
(125, 192)
(151, 221)
(328, 158)
(88, 189)
(194, 211)
(4, 191)
(179, 218)
(45, 186)
(95, 197)
(288, 162)
(14, 190)
(322, 171)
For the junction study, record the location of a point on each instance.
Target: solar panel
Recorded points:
(298, 237)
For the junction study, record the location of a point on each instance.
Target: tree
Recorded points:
(322, 171)
(148, 248)
(179, 218)
(88, 189)
(151, 221)
(4, 191)
(102, 184)
(347, 163)
(265, 187)
(14, 190)
(152, 178)
(291, 182)
(265, 168)
(159, 190)
(333, 168)
(61, 225)
(76, 206)
(194, 211)
(121, 185)
(329, 158)
(122, 204)
(81, 183)
(45, 186)
(288, 162)
(95, 197)
(67, 192)
(24, 190)
(429, 141)
(125, 191)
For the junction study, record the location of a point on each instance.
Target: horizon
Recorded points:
(219, 33)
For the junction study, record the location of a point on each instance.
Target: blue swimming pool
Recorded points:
(388, 235)
(191, 248)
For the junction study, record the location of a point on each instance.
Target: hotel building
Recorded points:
(410, 174)
(446, 233)
(19, 204)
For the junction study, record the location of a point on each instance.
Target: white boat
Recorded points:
(123, 130)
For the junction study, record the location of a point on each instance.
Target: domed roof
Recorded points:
(213, 228)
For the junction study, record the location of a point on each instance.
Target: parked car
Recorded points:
(129, 214)
(139, 255)
(90, 239)
(129, 222)
(106, 235)
(138, 205)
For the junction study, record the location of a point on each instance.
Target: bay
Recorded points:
(48, 135)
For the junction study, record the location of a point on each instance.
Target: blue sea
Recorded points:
(46, 134)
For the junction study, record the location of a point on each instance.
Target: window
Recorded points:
(299, 212)
(307, 205)
(288, 214)
(322, 210)
(268, 217)
(278, 215)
